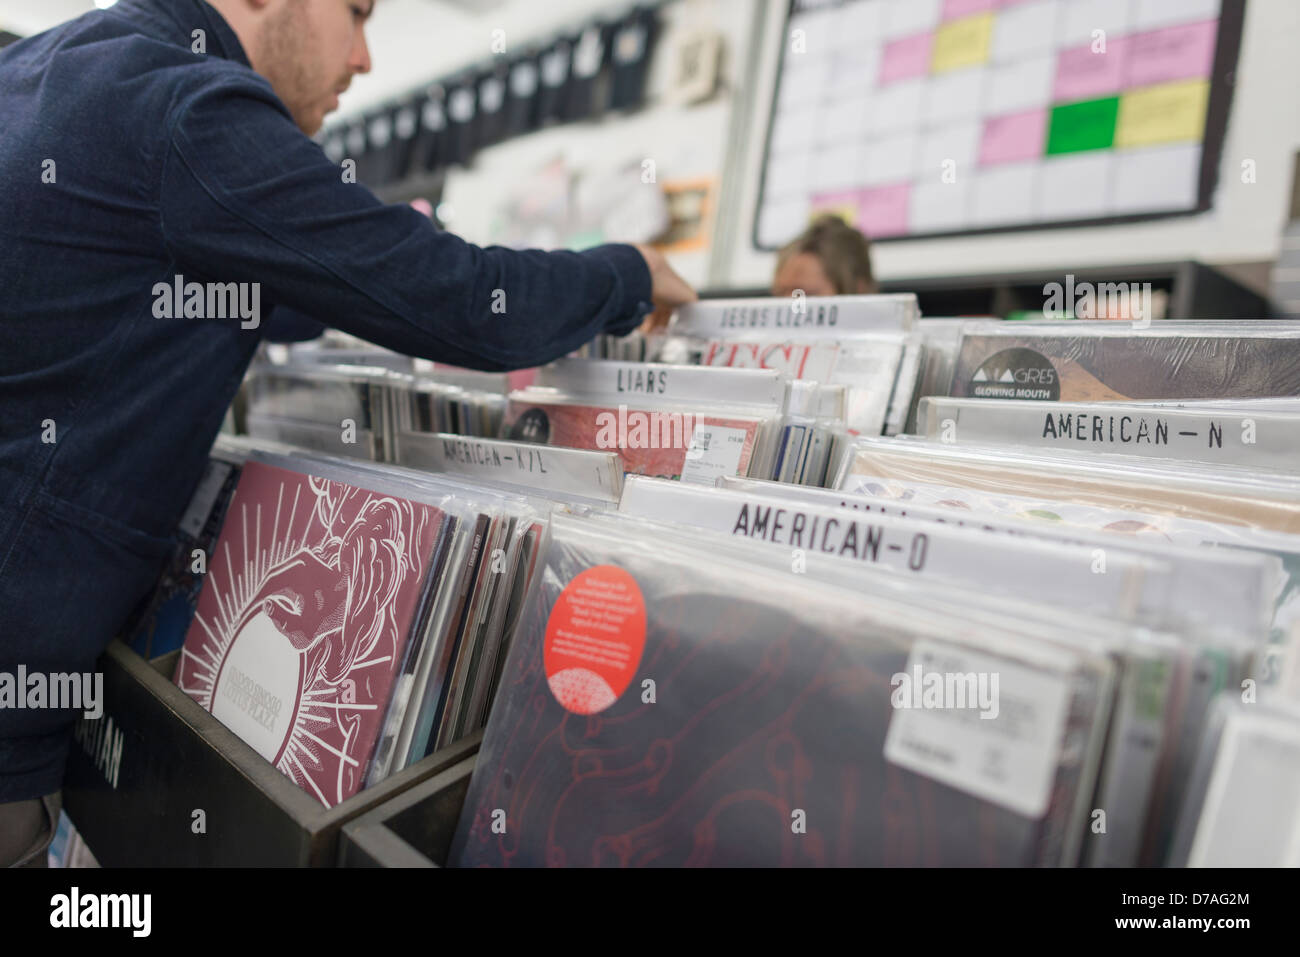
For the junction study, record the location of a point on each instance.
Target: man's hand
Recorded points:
(668, 290)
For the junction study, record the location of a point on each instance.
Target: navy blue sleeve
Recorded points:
(246, 197)
(285, 325)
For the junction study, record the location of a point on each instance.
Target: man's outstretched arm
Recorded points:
(245, 197)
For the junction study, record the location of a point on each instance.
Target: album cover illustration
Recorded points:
(304, 615)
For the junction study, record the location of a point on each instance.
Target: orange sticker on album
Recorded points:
(594, 639)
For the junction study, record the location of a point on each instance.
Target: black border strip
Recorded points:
(1223, 77)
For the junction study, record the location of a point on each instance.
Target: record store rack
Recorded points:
(954, 485)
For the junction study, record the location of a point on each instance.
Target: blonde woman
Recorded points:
(829, 258)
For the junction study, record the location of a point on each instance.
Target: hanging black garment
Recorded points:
(492, 87)
(630, 60)
(379, 147)
(522, 96)
(406, 132)
(431, 142)
(462, 120)
(356, 151)
(585, 98)
(554, 66)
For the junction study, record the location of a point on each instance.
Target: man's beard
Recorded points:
(286, 51)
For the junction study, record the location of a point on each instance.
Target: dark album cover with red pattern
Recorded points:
(661, 706)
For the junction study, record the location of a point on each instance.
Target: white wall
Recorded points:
(28, 17)
(1244, 225)
(684, 142)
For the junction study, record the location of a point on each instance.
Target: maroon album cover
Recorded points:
(657, 710)
(303, 619)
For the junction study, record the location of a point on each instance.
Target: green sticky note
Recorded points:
(1088, 125)
(1034, 315)
(585, 239)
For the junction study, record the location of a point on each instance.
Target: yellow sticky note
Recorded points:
(846, 211)
(1168, 113)
(963, 42)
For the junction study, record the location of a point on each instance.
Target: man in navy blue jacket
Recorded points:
(161, 143)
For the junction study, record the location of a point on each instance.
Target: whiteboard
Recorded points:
(925, 118)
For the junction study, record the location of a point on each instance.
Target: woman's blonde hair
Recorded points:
(845, 254)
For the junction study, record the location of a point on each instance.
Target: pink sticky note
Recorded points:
(905, 58)
(952, 9)
(1175, 53)
(1082, 74)
(884, 210)
(1016, 136)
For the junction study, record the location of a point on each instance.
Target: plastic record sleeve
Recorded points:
(1107, 360)
(458, 612)
(1216, 667)
(442, 576)
(1154, 716)
(1136, 498)
(766, 738)
(1234, 496)
(1243, 809)
(306, 405)
(1138, 583)
(1165, 680)
(1053, 570)
(306, 683)
(1210, 592)
(872, 368)
(862, 342)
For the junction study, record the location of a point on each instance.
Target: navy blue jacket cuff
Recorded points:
(630, 266)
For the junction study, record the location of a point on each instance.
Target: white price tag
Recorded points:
(714, 451)
(979, 724)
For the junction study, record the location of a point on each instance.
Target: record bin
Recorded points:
(414, 829)
(139, 776)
